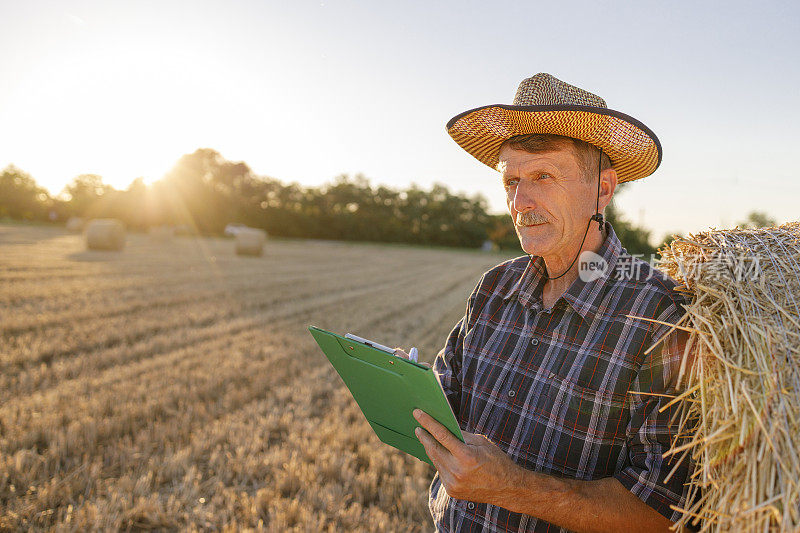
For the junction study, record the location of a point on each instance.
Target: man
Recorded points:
(550, 374)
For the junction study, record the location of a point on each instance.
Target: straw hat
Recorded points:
(545, 104)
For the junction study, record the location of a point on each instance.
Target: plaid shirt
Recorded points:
(556, 388)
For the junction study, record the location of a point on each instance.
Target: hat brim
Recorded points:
(633, 148)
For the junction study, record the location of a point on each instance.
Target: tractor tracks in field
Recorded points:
(27, 376)
(169, 315)
(177, 297)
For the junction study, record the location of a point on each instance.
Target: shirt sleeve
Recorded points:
(650, 433)
(447, 365)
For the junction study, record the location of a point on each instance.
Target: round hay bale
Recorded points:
(741, 372)
(250, 241)
(75, 224)
(105, 234)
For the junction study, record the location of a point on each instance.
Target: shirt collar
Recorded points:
(583, 296)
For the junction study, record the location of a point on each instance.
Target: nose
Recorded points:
(524, 196)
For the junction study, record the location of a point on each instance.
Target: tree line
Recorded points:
(204, 192)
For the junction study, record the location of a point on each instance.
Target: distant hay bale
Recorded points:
(250, 241)
(162, 233)
(742, 382)
(105, 234)
(75, 224)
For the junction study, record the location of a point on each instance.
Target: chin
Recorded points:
(533, 240)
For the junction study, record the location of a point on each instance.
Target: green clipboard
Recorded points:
(388, 388)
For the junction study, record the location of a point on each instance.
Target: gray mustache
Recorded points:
(529, 218)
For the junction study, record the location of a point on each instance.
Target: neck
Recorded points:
(556, 264)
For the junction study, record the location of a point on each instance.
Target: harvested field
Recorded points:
(174, 385)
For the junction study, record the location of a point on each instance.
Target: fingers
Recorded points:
(440, 433)
(472, 438)
(399, 352)
(434, 450)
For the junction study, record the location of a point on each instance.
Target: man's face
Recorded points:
(549, 200)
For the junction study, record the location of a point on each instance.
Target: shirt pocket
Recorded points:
(583, 411)
(586, 429)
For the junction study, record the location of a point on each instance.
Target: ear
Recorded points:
(608, 184)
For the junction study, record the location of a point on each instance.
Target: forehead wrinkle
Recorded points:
(528, 168)
(562, 160)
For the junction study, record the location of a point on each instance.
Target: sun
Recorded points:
(101, 112)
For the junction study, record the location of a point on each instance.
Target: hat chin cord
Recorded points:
(598, 216)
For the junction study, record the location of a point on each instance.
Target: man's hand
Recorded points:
(476, 469)
(399, 352)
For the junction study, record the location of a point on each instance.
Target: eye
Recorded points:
(511, 182)
(544, 175)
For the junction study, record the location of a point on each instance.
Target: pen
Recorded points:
(413, 354)
(369, 343)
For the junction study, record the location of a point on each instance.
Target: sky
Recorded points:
(305, 91)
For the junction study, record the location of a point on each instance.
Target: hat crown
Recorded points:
(546, 89)
(545, 105)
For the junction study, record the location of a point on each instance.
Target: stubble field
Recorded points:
(174, 385)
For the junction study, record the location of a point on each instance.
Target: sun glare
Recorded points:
(116, 113)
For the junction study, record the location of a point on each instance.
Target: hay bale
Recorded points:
(162, 233)
(105, 234)
(250, 241)
(75, 224)
(742, 379)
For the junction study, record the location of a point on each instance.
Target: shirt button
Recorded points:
(535, 341)
(470, 506)
(512, 393)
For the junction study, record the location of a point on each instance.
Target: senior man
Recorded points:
(551, 375)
